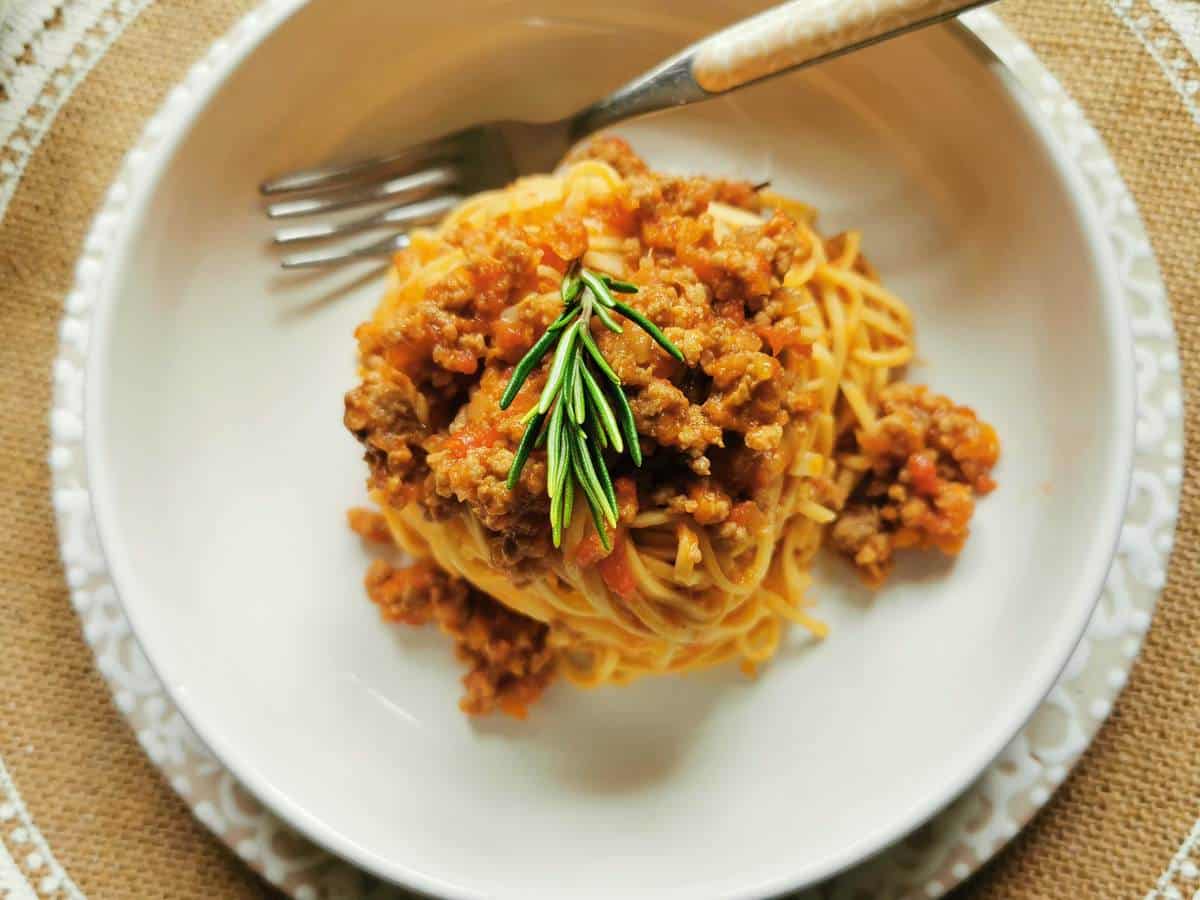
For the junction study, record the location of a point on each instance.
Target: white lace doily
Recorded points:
(956, 842)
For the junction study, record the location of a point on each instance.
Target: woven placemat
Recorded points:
(121, 831)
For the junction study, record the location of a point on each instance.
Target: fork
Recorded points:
(419, 184)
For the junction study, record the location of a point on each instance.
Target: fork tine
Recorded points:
(418, 213)
(314, 258)
(326, 177)
(405, 187)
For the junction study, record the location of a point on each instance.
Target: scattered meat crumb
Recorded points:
(929, 458)
(510, 662)
(369, 525)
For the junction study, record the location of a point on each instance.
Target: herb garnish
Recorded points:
(582, 407)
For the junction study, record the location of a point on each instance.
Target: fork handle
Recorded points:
(784, 38)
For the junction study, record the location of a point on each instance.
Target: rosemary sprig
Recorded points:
(599, 405)
(564, 359)
(589, 344)
(533, 357)
(525, 447)
(602, 288)
(575, 417)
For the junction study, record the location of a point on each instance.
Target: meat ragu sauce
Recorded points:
(928, 457)
(510, 663)
(434, 368)
(709, 428)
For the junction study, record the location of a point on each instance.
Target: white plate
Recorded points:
(220, 470)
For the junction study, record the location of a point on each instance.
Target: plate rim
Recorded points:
(183, 106)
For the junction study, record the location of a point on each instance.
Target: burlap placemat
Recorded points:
(120, 830)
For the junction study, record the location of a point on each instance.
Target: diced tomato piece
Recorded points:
(619, 217)
(748, 515)
(923, 471)
(564, 238)
(467, 439)
(513, 339)
(456, 359)
(616, 571)
(781, 337)
(590, 550)
(409, 357)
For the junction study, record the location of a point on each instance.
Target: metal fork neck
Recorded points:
(668, 85)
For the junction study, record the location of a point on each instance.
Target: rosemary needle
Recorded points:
(574, 417)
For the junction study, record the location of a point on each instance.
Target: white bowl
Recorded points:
(220, 470)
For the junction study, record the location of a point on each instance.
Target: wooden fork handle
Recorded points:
(804, 31)
(779, 40)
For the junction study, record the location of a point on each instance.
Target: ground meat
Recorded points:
(382, 412)
(437, 355)
(664, 414)
(424, 357)
(369, 525)
(703, 500)
(510, 663)
(928, 458)
(747, 396)
(469, 465)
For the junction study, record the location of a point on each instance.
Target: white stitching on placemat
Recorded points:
(13, 885)
(1184, 20)
(27, 849)
(46, 50)
(1182, 866)
(20, 25)
(61, 54)
(1182, 70)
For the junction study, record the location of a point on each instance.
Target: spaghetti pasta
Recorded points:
(752, 455)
